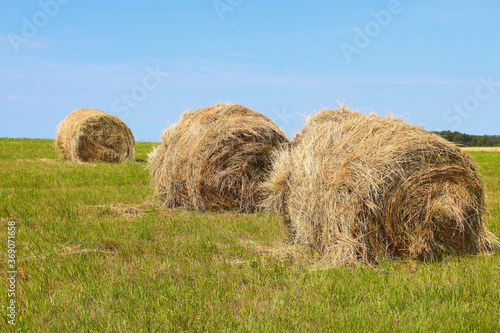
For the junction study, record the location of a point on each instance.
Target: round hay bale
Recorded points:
(88, 135)
(215, 158)
(358, 188)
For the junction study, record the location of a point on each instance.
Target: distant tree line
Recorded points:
(468, 140)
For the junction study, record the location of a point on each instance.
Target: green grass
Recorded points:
(95, 255)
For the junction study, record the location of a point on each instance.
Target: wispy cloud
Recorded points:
(17, 97)
(233, 74)
(11, 41)
(4, 42)
(238, 54)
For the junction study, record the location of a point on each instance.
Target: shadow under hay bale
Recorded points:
(359, 188)
(215, 158)
(88, 135)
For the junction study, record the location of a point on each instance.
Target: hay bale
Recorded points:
(358, 188)
(88, 135)
(215, 158)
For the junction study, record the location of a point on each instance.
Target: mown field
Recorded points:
(95, 254)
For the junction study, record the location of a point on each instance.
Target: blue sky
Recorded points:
(434, 63)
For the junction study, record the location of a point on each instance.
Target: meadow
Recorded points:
(96, 254)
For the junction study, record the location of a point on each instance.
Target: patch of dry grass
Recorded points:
(122, 210)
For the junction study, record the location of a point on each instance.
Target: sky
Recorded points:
(433, 63)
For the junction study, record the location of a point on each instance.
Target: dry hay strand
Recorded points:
(88, 135)
(215, 158)
(358, 188)
(43, 160)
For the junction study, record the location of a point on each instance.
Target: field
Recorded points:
(95, 254)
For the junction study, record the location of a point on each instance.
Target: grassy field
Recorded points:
(95, 254)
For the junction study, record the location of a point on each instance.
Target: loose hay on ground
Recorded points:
(88, 135)
(359, 188)
(215, 158)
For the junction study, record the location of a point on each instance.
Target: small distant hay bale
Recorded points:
(358, 188)
(88, 135)
(215, 158)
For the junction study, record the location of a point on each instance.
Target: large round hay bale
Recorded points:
(215, 158)
(359, 188)
(88, 135)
